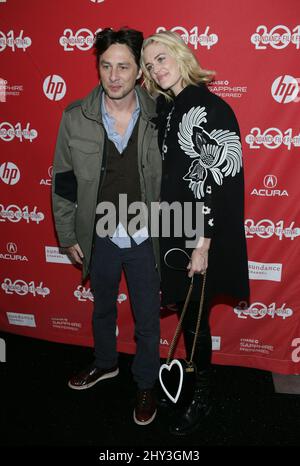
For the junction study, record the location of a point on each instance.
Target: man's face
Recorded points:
(118, 71)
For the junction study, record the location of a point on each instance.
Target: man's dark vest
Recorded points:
(121, 174)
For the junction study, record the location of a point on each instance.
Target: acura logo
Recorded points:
(11, 248)
(270, 181)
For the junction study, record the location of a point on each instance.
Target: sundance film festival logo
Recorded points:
(270, 188)
(285, 89)
(266, 229)
(272, 138)
(14, 213)
(278, 37)
(22, 288)
(193, 36)
(54, 87)
(9, 173)
(8, 132)
(83, 294)
(260, 310)
(83, 39)
(14, 42)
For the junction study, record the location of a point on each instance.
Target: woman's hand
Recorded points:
(199, 259)
(198, 262)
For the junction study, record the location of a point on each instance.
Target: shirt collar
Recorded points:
(105, 113)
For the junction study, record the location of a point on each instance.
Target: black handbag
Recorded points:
(185, 370)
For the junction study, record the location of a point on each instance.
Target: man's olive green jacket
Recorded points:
(77, 167)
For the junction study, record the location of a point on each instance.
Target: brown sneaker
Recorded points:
(90, 376)
(145, 407)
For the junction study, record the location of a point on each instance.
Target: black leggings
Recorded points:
(203, 350)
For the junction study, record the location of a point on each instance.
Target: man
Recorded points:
(107, 146)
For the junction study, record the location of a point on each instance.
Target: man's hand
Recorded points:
(75, 253)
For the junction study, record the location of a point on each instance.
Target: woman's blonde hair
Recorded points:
(189, 68)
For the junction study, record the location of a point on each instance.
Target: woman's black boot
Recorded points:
(201, 402)
(199, 407)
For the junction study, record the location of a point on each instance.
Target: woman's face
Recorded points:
(163, 67)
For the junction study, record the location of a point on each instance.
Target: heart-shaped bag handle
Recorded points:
(175, 362)
(186, 303)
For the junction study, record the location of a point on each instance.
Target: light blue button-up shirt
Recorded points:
(109, 124)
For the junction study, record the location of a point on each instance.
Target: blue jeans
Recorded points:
(138, 263)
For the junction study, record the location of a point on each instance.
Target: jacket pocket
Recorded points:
(85, 159)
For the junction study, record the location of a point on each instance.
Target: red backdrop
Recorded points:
(47, 62)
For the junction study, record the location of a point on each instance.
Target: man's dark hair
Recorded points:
(130, 37)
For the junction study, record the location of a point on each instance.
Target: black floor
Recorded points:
(38, 408)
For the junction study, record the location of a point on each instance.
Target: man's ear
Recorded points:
(139, 74)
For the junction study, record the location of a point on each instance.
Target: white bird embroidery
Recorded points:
(218, 152)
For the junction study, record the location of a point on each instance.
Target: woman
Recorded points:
(202, 163)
